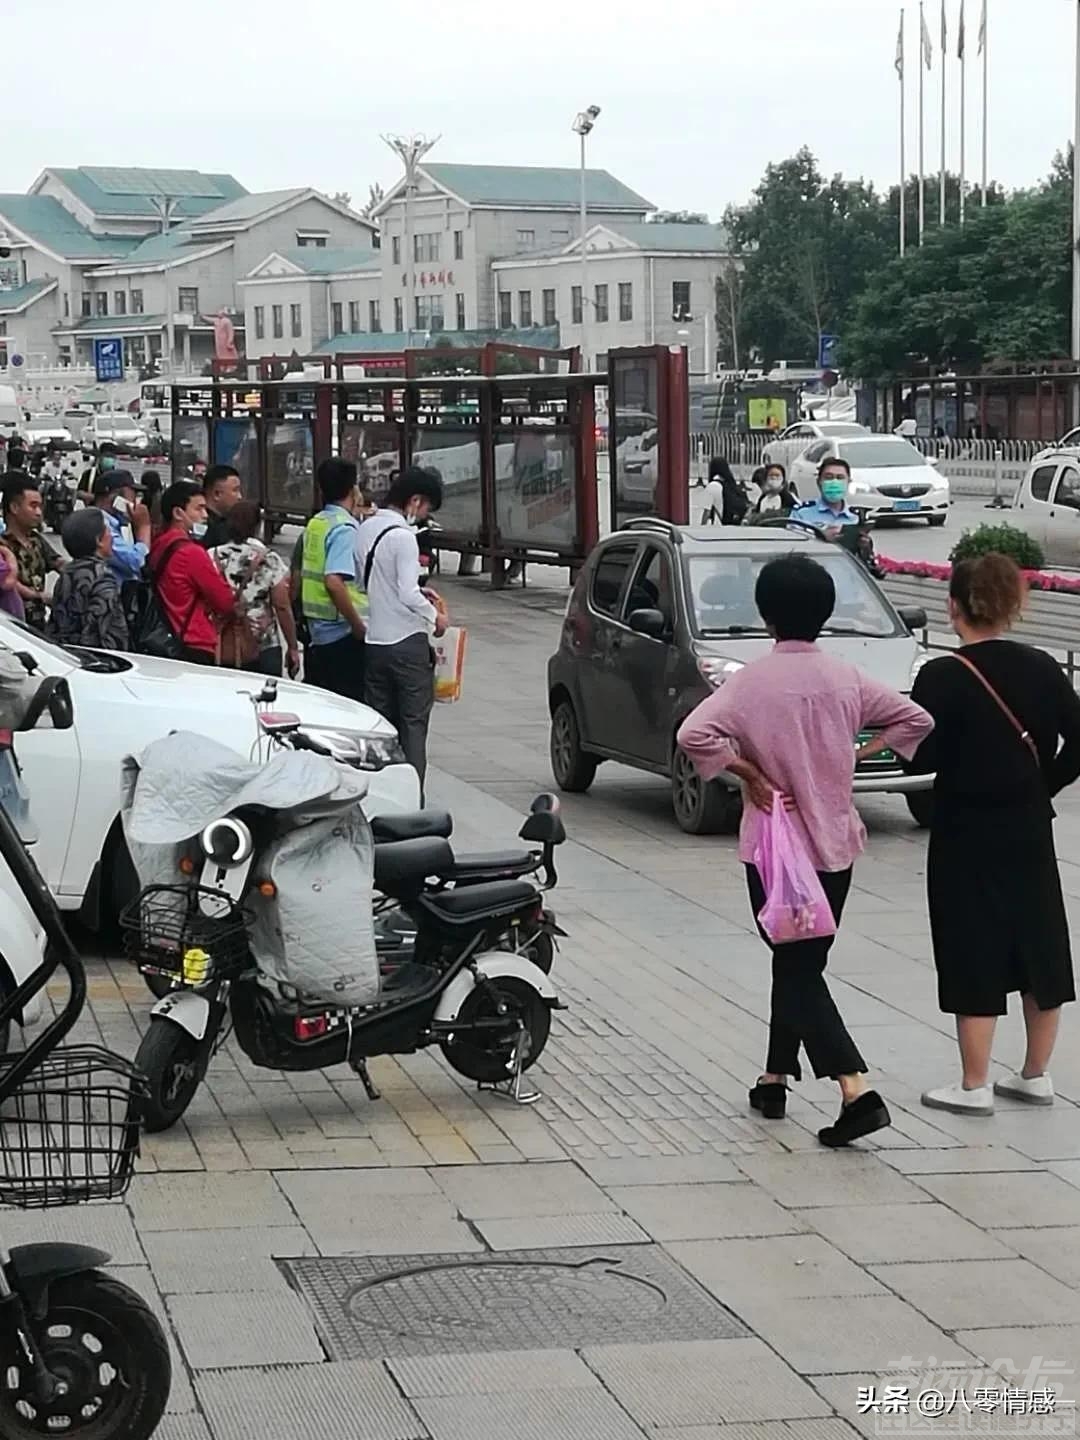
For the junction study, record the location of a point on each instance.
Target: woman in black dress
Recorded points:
(1006, 739)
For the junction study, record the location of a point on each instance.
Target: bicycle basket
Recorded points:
(70, 1131)
(189, 933)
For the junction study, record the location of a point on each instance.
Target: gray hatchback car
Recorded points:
(661, 614)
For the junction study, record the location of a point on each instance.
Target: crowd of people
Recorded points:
(350, 613)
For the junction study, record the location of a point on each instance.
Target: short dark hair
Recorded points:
(16, 457)
(217, 473)
(774, 465)
(82, 531)
(719, 469)
(834, 460)
(178, 496)
(151, 483)
(16, 487)
(107, 448)
(336, 480)
(416, 481)
(795, 597)
(243, 519)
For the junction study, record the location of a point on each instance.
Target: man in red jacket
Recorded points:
(194, 594)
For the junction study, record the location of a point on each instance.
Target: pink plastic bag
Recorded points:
(795, 906)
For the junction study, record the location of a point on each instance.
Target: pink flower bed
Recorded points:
(924, 570)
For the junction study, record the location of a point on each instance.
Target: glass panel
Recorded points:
(236, 444)
(191, 442)
(290, 467)
(455, 454)
(374, 447)
(534, 487)
(636, 437)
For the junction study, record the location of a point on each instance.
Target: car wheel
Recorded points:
(702, 807)
(921, 805)
(937, 520)
(573, 768)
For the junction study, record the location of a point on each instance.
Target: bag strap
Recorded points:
(1024, 734)
(159, 571)
(371, 553)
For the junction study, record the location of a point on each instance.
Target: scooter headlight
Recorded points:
(362, 752)
(227, 843)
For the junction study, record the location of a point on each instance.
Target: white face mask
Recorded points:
(198, 530)
(121, 505)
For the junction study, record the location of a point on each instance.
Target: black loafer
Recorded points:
(862, 1117)
(769, 1099)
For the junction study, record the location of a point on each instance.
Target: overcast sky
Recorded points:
(697, 95)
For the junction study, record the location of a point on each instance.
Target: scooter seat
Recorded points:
(402, 867)
(495, 864)
(478, 903)
(412, 825)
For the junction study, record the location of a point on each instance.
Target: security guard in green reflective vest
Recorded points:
(334, 606)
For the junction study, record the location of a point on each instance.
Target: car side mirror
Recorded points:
(648, 622)
(913, 616)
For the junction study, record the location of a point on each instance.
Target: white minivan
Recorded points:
(10, 414)
(1047, 505)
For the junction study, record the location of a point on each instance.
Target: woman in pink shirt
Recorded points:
(785, 726)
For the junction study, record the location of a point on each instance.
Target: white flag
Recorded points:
(927, 45)
(899, 61)
(982, 29)
(960, 34)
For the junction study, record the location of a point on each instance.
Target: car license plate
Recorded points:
(906, 504)
(886, 757)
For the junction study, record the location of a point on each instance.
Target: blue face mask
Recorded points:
(833, 491)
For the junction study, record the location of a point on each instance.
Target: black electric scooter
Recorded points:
(80, 1352)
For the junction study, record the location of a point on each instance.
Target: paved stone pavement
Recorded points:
(948, 1247)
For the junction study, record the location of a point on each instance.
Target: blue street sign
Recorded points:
(16, 361)
(826, 354)
(109, 360)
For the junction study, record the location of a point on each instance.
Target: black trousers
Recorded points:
(268, 662)
(197, 657)
(401, 686)
(803, 1013)
(338, 666)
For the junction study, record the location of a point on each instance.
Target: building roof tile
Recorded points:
(49, 225)
(535, 185)
(134, 190)
(21, 296)
(328, 260)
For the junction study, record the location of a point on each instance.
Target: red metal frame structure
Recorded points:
(649, 381)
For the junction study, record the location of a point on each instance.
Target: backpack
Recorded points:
(151, 633)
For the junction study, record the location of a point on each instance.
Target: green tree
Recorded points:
(679, 217)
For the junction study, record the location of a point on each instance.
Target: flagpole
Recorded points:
(922, 67)
(985, 76)
(963, 109)
(944, 72)
(903, 138)
(1076, 225)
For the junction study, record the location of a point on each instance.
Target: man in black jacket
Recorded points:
(222, 489)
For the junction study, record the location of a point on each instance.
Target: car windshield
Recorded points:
(721, 587)
(104, 662)
(883, 454)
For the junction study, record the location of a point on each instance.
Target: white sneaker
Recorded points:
(959, 1101)
(1037, 1091)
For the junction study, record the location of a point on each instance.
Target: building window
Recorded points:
(395, 249)
(120, 302)
(459, 301)
(506, 319)
(626, 300)
(680, 300)
(310, 242)
(459, 244)
(374, 317)
(336, 327)
(136, 302)
(277, 315)
(525, 309)
(426, 247)
(429, 312)
(67, 306)
(84, 303)
(559, 237)
(189, 300)
(260, 322)
(101, 303)
(399, 314)
(354, 317)
(549, 307)
(575, 305)
(296, 321)
(526, 239)
(601, 304)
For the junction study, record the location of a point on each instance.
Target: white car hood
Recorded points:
(897, 475)
(888, 660)
(206, 689)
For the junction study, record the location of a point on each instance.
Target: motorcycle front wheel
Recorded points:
(171, 1060)
(101, 1341)
(485, 1055)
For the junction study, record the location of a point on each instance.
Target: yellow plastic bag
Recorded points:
(449, 663)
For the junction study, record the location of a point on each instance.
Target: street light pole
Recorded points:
(583, 124)
(1074, 349)
(410, 150)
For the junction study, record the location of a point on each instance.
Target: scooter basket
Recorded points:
(70, 1131)
(189, 933)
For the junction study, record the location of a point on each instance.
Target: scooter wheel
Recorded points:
(541, 951)
(483, 1055)
(158, 985)
(171, 1061)
(105, 1342)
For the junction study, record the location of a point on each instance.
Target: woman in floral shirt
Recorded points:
(260, 578)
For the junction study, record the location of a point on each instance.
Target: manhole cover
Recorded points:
(367, 1307)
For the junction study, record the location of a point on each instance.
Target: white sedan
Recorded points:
(121, 703)
(889, 477)
(790, 443)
